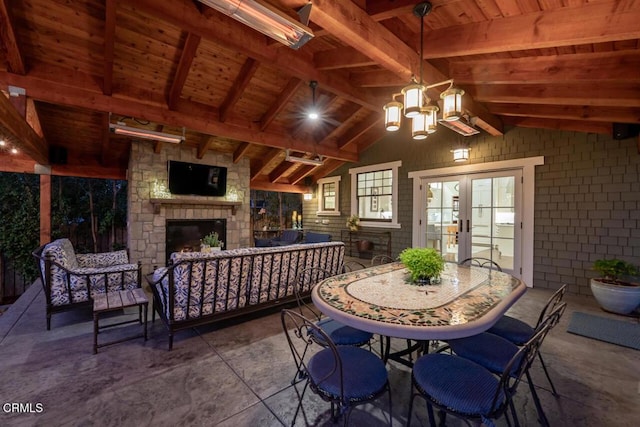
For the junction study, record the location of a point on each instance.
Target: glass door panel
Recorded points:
(442, 216)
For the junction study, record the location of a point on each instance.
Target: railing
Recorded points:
(12, 283)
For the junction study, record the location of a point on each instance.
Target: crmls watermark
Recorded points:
(22, 408)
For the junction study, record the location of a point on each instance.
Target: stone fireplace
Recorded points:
(150, 205)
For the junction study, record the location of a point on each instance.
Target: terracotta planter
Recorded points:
(616, 298)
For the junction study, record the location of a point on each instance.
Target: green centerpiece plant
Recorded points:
(424, 264)
(211, 240)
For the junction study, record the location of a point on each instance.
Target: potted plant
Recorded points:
(424, 264)
(617, 289)
(211, 242)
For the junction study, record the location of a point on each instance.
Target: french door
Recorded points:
(474, 215)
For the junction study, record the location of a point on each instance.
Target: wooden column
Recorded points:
(45, 209)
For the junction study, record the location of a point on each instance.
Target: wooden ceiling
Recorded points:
(168, 65)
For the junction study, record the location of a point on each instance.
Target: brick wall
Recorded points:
(147, 229)
(587, 195)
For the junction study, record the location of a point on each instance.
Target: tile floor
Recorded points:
(238, 374)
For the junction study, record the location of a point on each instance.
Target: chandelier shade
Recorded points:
(452, 108)
(419, 125)
(392, 116)
(413, 99)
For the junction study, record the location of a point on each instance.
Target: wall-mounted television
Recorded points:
(197, 179)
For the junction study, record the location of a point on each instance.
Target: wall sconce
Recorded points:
(232, 195)
(159, 190)
(460, 154)
(308, 195)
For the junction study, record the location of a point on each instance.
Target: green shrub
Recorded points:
(423, 263)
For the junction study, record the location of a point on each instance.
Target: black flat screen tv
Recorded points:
(197, 179)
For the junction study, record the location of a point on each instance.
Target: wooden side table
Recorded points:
(115, 301)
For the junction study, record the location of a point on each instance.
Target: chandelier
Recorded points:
(417, 105)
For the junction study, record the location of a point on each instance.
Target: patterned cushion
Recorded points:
(76, 278)
(219, 281)
(104, 259)
(512, 329)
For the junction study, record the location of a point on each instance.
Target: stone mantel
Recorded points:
(158, 203)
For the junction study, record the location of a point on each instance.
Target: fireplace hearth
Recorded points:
(184, 235)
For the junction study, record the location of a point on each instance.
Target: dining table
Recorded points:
(465, 301)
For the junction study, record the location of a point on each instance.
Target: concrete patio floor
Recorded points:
(238, 374)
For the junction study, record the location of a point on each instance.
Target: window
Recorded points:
(374, 194)
(329, 196)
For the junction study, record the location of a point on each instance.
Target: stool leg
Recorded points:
(146, 309)
(95, 333)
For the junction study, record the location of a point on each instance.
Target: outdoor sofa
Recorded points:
(71, 280)
(199, 288)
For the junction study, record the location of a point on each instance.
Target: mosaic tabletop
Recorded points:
(382, 299)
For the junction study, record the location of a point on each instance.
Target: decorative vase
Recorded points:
(205, 248)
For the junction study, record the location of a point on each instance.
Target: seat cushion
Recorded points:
(512, 329)
(364, 373)
(311, 237)
(489, 350)
(457, 383)
(342, 334)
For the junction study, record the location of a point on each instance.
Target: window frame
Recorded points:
(394, 167)
(321, 182)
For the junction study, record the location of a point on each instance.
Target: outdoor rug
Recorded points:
(624, 333)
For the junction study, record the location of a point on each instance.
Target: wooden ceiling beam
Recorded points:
(281, 101)
(564, 112)
(275, 186)
(25, 138)
(378, 78)
(191, 115)
(345, 57)
(234, 35)
(349, 23)
(33, 118)
(204, 145)
(189, 50)
(237, 88)
(559, 124)
(266, 159)
(280, 170)
(14, 58)
(358, 130)
(594, 22)
(351, 119)
(109, 39)
(25, 165)
(615, 66)
(300, 173)
(240, 151)
(589, 93)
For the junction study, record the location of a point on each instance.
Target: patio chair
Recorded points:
(495, 353)
(340, 334)
(381, 259)
(519, 332)
(345, 376)
(352, 266)
(481, 262)
(468, 390)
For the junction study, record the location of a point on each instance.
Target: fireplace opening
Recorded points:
(184, 235)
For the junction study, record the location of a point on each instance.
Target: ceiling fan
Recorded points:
(316, 112)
